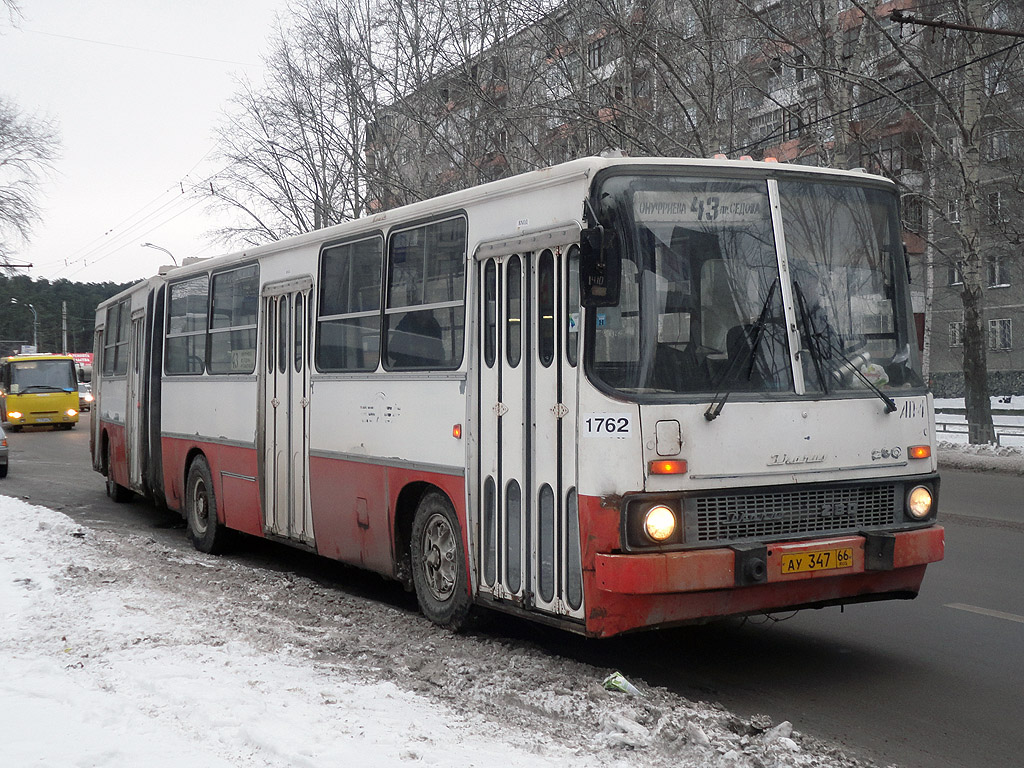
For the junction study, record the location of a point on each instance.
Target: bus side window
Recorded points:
(572, 305)
(546, 308)
(425, 315)
(490, 313)
(186, 328)
(514, 311)
(299, 331)
(348, 310)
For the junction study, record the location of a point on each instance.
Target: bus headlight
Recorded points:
(659, 523)
(919, 503)
(71, 412)
(14, 414)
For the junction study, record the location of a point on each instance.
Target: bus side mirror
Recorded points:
(600, 267)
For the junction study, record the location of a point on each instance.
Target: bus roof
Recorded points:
(579, 169)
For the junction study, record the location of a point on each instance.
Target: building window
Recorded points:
(1000, 334)
(996, 78)
(598, 53)
(995, 208)
(913, 213)
(793, 122)
(955, 274)
(956, 333)
(998, 272)
(997, 146)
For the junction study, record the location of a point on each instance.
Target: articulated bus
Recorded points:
(613, 394)
(39, 390)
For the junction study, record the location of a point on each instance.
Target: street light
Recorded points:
(35, 322)
(161, 248)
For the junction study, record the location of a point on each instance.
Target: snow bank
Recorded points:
(956, 453)
(118, 651)
(981, 458)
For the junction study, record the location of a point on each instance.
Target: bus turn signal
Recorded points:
(676, 467)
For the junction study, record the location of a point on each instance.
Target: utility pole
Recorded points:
(64, 327)
(905, 18)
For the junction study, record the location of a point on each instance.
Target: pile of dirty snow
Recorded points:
(120, 651)
(981, 458)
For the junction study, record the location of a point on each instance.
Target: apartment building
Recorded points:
(805, 82)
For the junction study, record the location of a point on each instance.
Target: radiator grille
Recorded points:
(792, 513)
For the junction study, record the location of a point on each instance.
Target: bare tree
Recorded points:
(967, 119)
(923, 108)
(292, 147)
(28, 148)
(13, 9)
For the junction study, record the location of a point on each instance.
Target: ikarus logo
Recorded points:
(789, 459)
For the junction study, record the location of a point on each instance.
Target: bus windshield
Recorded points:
(29, 376)
(846, 265)
(701, 305)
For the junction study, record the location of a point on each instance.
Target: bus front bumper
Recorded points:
(662, 589)
(42, 418)
(706, 569)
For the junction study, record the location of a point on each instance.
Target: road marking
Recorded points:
(987, 612)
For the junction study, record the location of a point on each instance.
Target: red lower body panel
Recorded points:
(353, 503)
(235, 485)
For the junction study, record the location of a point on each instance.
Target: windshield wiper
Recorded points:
(822, 346)
(817, 344)
(749, 357)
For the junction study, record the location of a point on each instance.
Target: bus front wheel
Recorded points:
(204, 531)
(439, 563)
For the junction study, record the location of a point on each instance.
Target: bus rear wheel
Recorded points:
(204, 530)
(439, 563)
(116, 491)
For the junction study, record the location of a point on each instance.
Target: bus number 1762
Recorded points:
(607, 425)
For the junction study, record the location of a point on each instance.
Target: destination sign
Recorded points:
(706, 208)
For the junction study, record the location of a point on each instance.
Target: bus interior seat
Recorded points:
(416, 341)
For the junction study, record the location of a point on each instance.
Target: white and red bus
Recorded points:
(608, 395)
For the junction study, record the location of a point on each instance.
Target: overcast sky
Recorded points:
(136, 87)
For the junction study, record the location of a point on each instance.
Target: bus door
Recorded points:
(529, 547)
(285, 388)
(133, 408)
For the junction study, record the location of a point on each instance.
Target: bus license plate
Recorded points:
(44, 419)
(818, 560)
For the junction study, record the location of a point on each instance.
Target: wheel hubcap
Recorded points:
(200, 511)
(439, 550)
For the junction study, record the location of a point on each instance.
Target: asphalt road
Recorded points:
(937, 682)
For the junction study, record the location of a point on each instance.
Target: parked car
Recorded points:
(85, 397)
(4, 453)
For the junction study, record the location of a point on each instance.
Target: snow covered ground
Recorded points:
(118, 651)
